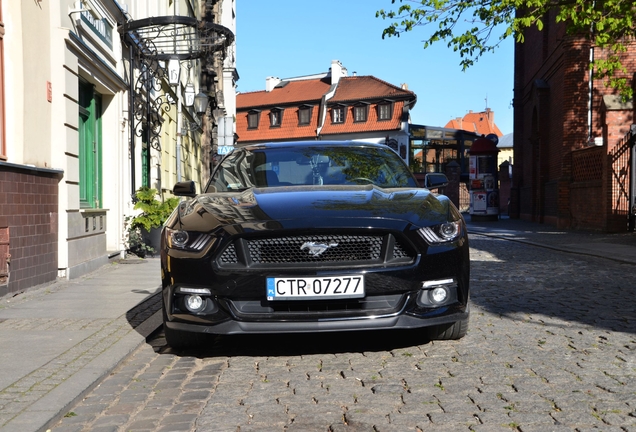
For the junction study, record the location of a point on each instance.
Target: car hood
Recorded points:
(313, 207)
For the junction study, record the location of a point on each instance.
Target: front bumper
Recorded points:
(237, 303)
(400, 321)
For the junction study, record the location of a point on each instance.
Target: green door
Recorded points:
(90, 146)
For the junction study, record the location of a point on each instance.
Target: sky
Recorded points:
(291, 38)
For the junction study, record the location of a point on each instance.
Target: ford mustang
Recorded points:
(313, 237)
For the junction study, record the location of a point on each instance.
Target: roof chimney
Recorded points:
(337, 71)
(271, 82)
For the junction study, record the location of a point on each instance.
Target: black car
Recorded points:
(313, 237)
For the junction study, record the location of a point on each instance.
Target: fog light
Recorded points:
(194, 303)
(438, 295)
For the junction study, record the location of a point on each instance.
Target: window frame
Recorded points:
(389, 106)
(272, 117)
(253, 114)
(307, 109)
(361, 108)
(340, 109)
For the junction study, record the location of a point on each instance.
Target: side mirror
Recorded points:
(435, 181)
(187, 189)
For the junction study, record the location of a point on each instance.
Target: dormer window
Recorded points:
(253, 117)
(385, 110)
(360, 113)
(304, 115)
(275, 117)
(338, 114)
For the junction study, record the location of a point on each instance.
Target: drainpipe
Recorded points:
(590, 96)
(131, 122)
(179, 110)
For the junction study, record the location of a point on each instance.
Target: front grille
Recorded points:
(305, 250)
(229, 255)
(296, 249)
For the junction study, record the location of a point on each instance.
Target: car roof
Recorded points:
(297, 144)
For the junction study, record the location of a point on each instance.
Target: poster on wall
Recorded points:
(480, 200)
(484, 167)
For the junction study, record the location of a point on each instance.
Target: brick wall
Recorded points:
(28, 227)
(551, 123)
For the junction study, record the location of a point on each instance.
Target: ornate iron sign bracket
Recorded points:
(154, 41)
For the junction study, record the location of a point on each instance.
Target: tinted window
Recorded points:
(325, 165)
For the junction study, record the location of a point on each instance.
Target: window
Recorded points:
(90, 146)
(253, 117)
(304, 115)
(276, 117)
(337, 114)
(385, 111)
(360, 113)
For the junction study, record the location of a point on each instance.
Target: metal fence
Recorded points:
(622, 184)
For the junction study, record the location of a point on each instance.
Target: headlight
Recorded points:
(442, 233)
(193, 241)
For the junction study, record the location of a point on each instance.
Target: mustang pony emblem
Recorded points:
(316, 249)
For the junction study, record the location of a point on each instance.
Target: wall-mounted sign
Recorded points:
(101, 27)
(224, 149)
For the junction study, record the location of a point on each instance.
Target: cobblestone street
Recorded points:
(551, 347)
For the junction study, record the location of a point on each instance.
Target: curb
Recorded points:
(142, 320)
(551, 247)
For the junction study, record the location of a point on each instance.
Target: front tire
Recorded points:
(181, 340)
(454, 331)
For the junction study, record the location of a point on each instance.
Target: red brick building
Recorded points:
(326, 106)
(570, 158)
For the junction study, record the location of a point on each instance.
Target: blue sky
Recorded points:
(288, 38)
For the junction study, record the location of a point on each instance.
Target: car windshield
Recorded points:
(302, 165)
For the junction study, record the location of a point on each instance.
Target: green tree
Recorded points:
(476, 27)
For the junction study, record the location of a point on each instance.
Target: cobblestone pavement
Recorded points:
(551, 347)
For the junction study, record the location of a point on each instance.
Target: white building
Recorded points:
(74, 144)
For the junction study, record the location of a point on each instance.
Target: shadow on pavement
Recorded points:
(275, 345)
(515, 280)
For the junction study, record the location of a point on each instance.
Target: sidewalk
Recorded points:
(59, 341)
(620, 247)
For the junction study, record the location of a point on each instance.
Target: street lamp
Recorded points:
(174, 71)
(201, 101)
(190, 99)
(189, 94)
(200, 104)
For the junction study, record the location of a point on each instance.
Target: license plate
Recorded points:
(315, 288)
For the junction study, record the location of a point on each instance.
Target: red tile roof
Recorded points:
(367, 87)
(372, 123)
(294, 92)
(482, 123)
(289, 128)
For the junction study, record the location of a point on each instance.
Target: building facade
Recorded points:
(326, 106)
(85, 120)
(566, 129)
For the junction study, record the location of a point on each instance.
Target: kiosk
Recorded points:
(483, 179)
